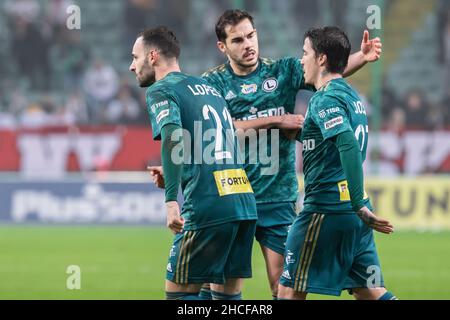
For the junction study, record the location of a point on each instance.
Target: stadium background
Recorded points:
(75, 139)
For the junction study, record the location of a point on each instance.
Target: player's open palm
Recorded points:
(374, 222)
(371, 48)
(175, 221)
(157, 175)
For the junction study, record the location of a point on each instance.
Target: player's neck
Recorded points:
(325, 77)
(242, 71)
(162, 71)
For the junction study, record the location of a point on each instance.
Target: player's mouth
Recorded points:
(249, 55)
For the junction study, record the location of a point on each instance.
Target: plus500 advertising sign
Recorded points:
(81, 202)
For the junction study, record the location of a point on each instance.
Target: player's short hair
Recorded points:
(164, 39)
(334, 43)
(230, 18)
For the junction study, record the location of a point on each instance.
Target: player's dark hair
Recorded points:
(332, 42)
(164, 39)
(230, 18)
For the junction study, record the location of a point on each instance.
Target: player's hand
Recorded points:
(174, 220)
(371, 48)
(290, 121)
(375, 222)
(157, 175)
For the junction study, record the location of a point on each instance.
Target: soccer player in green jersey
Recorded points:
(215, 229)
(330, 246)
(261, 95)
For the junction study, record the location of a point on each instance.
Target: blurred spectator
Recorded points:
(125, 109)
(31, 53)
(17, 102)
(396, 122)
(76, 105)
(416, 110)
(446, 37)
(100, 84)
(435, 118)
(26, 10)
(70, 60)
(34, 117)
(56, 17)
(137, 15)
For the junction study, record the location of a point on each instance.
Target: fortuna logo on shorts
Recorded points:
(333, 123)
(270, 85)
(232, 181)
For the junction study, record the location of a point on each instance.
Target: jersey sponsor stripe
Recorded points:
(302, 254)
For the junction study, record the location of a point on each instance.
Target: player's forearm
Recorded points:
(355, 62)
(172, 171)
(256, 124)
(351, 161)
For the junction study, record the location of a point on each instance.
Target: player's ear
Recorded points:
(152, 57)
(221, 46)
(322, 60)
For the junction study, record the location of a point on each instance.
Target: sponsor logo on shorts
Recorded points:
(334, 122)
(286, 275)
(289, 258)
(172, 252)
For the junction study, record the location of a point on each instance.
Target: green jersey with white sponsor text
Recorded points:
(215, 187)
(333, 109)
(268, 91)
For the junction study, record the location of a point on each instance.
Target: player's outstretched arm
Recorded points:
(370, 52)
(287, 121)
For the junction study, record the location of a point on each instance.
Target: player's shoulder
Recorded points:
(327, 96)
(215, 72)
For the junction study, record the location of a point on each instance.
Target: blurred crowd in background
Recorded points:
(50, 75)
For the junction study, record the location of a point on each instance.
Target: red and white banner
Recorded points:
(54, 151)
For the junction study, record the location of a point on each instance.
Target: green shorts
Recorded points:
(327, 253)
(274, 221)
(212, 254)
